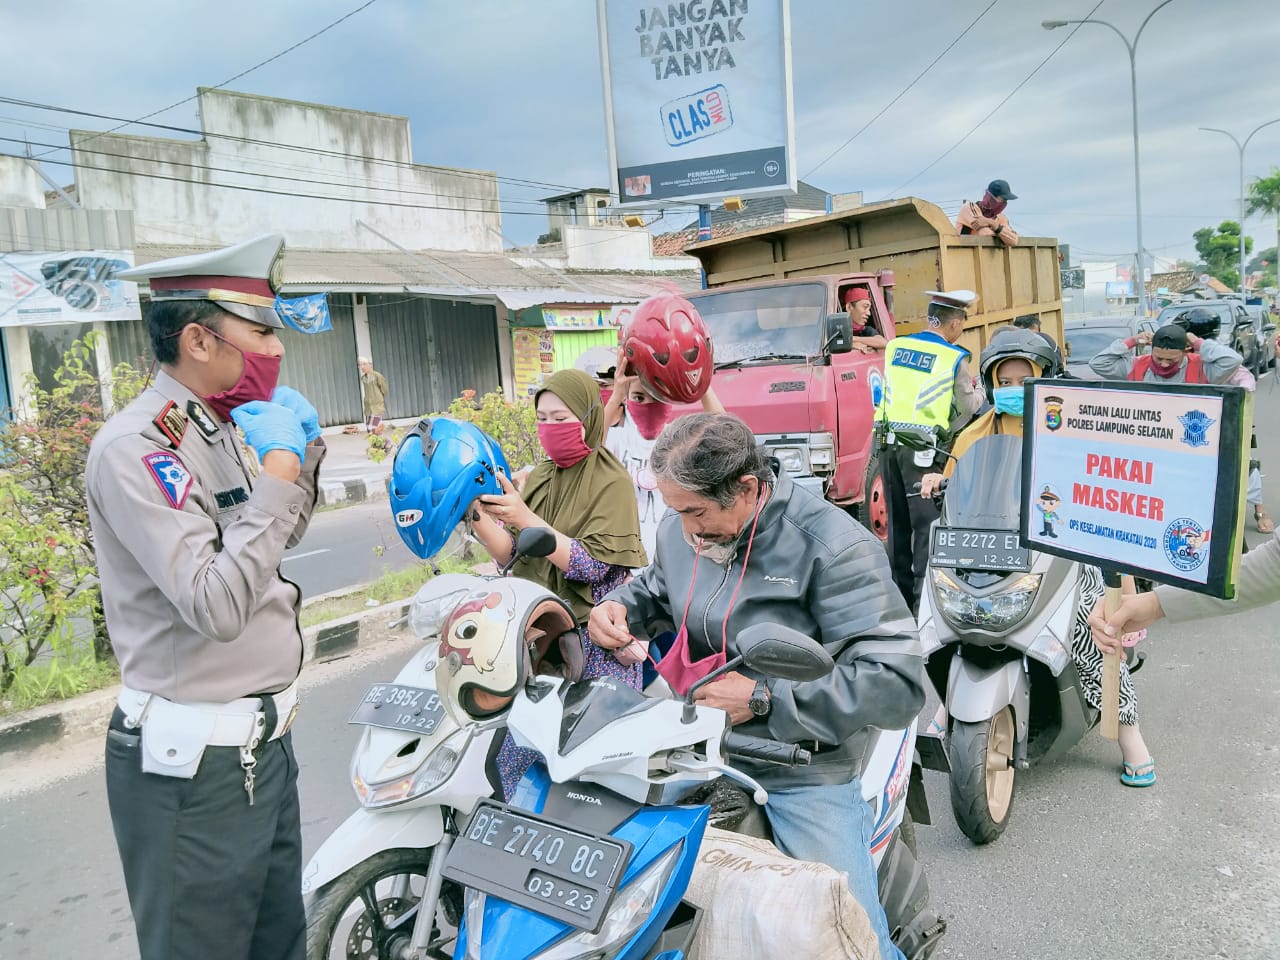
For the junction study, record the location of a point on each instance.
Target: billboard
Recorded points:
(77, 286)
(697, 98)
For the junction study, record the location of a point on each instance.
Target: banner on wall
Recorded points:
(1138, 479)
(698, 98)
(77, 286)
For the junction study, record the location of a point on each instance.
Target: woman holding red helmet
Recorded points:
(665, 359)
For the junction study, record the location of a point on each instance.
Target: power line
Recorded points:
(318, 151)
(289, 193)
(244, 73)
(897, 190)
(902, 93)
(255, 173)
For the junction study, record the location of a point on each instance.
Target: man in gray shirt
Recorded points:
(1169, 360)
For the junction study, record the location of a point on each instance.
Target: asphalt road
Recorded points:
(346, 546)
(1088, 869)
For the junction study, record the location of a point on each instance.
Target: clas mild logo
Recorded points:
(697, 116)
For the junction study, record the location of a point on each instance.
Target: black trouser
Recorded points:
(909, 520)
(209, 876)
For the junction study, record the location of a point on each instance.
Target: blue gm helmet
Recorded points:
(439, 469)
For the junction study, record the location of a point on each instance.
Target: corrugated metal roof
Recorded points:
(477, 277)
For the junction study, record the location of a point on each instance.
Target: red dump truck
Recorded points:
(784, 354)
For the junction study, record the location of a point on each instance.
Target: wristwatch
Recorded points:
(759, 702)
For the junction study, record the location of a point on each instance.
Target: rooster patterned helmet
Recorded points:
(498, 635)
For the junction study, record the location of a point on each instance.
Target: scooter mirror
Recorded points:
(536, 542)
(778, 651)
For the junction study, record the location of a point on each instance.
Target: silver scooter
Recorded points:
(995, 622)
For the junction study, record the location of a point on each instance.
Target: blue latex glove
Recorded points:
(301, 406)
(270, 426)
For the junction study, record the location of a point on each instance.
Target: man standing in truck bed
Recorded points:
(986, 217)
(929, 395)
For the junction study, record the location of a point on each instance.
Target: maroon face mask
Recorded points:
(257, 381)
(1165, 370)
(990, 206)
(563, 442)
(649, 418)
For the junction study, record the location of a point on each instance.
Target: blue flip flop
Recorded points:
(1138, 774)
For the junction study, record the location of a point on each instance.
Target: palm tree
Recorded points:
(1264, 197)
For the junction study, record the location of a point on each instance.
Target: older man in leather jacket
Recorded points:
(741, 546)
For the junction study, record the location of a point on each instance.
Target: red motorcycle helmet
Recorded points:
(667, 346)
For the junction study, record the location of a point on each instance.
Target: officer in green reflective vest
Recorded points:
(928, 395)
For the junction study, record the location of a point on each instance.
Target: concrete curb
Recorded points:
(85, 717)
(335, 492)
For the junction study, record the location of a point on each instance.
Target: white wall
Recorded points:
(20, 186)
(176, 210)
(614, 248)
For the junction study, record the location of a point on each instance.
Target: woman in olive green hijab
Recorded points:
(587, 498)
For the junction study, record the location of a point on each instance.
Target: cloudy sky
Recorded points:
(514, 86)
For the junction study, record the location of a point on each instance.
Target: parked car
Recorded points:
(1235, 328)
(1265, 329)
(1085, 337)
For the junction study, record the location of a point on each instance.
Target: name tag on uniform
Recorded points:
(913, 359)
(226, 499)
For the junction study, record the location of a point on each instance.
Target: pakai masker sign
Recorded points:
(1137, 479)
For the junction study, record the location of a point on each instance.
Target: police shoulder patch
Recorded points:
(170, 475)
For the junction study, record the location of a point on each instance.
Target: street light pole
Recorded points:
(1140, 282)
(1240, 148)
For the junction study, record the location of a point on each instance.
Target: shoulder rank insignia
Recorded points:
(172, 422)
(208, 428)
(170, 475)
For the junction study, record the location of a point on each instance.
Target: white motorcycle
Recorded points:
(375, 887)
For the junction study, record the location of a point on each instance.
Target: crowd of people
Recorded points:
(672, 535)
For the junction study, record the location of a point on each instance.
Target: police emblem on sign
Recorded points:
(1195, 428)
(1053, 413)
(173, 479)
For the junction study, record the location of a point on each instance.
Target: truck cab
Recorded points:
(786, 362)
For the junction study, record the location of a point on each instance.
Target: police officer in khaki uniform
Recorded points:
(929, 394)
(190, 527)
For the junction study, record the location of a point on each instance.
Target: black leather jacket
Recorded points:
(815, 569)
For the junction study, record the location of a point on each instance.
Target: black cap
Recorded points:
(1170, 337)
(1000, 190)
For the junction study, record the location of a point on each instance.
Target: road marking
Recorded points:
(299, 556)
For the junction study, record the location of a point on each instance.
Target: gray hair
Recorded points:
(708, 454)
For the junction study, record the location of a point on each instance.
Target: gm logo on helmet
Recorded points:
(407, 518)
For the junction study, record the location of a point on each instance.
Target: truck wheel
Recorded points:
(354, 915)
(873, 512)
(982, 775)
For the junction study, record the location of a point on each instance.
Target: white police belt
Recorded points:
(175, 735)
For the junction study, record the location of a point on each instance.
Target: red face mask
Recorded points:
(257, 381)
(605, 394)
(990, 206)
(1165, 370)
(563, 442)
(649, 418)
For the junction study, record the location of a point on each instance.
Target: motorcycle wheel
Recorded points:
(356, 916)
(982, 775)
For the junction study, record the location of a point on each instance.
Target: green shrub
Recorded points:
(49, 597)
(513, 425)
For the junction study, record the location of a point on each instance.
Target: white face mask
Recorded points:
(721, 553)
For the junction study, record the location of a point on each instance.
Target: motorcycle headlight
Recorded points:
(426, 616)
(995, 611)
(631, 908)
(435, 770)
